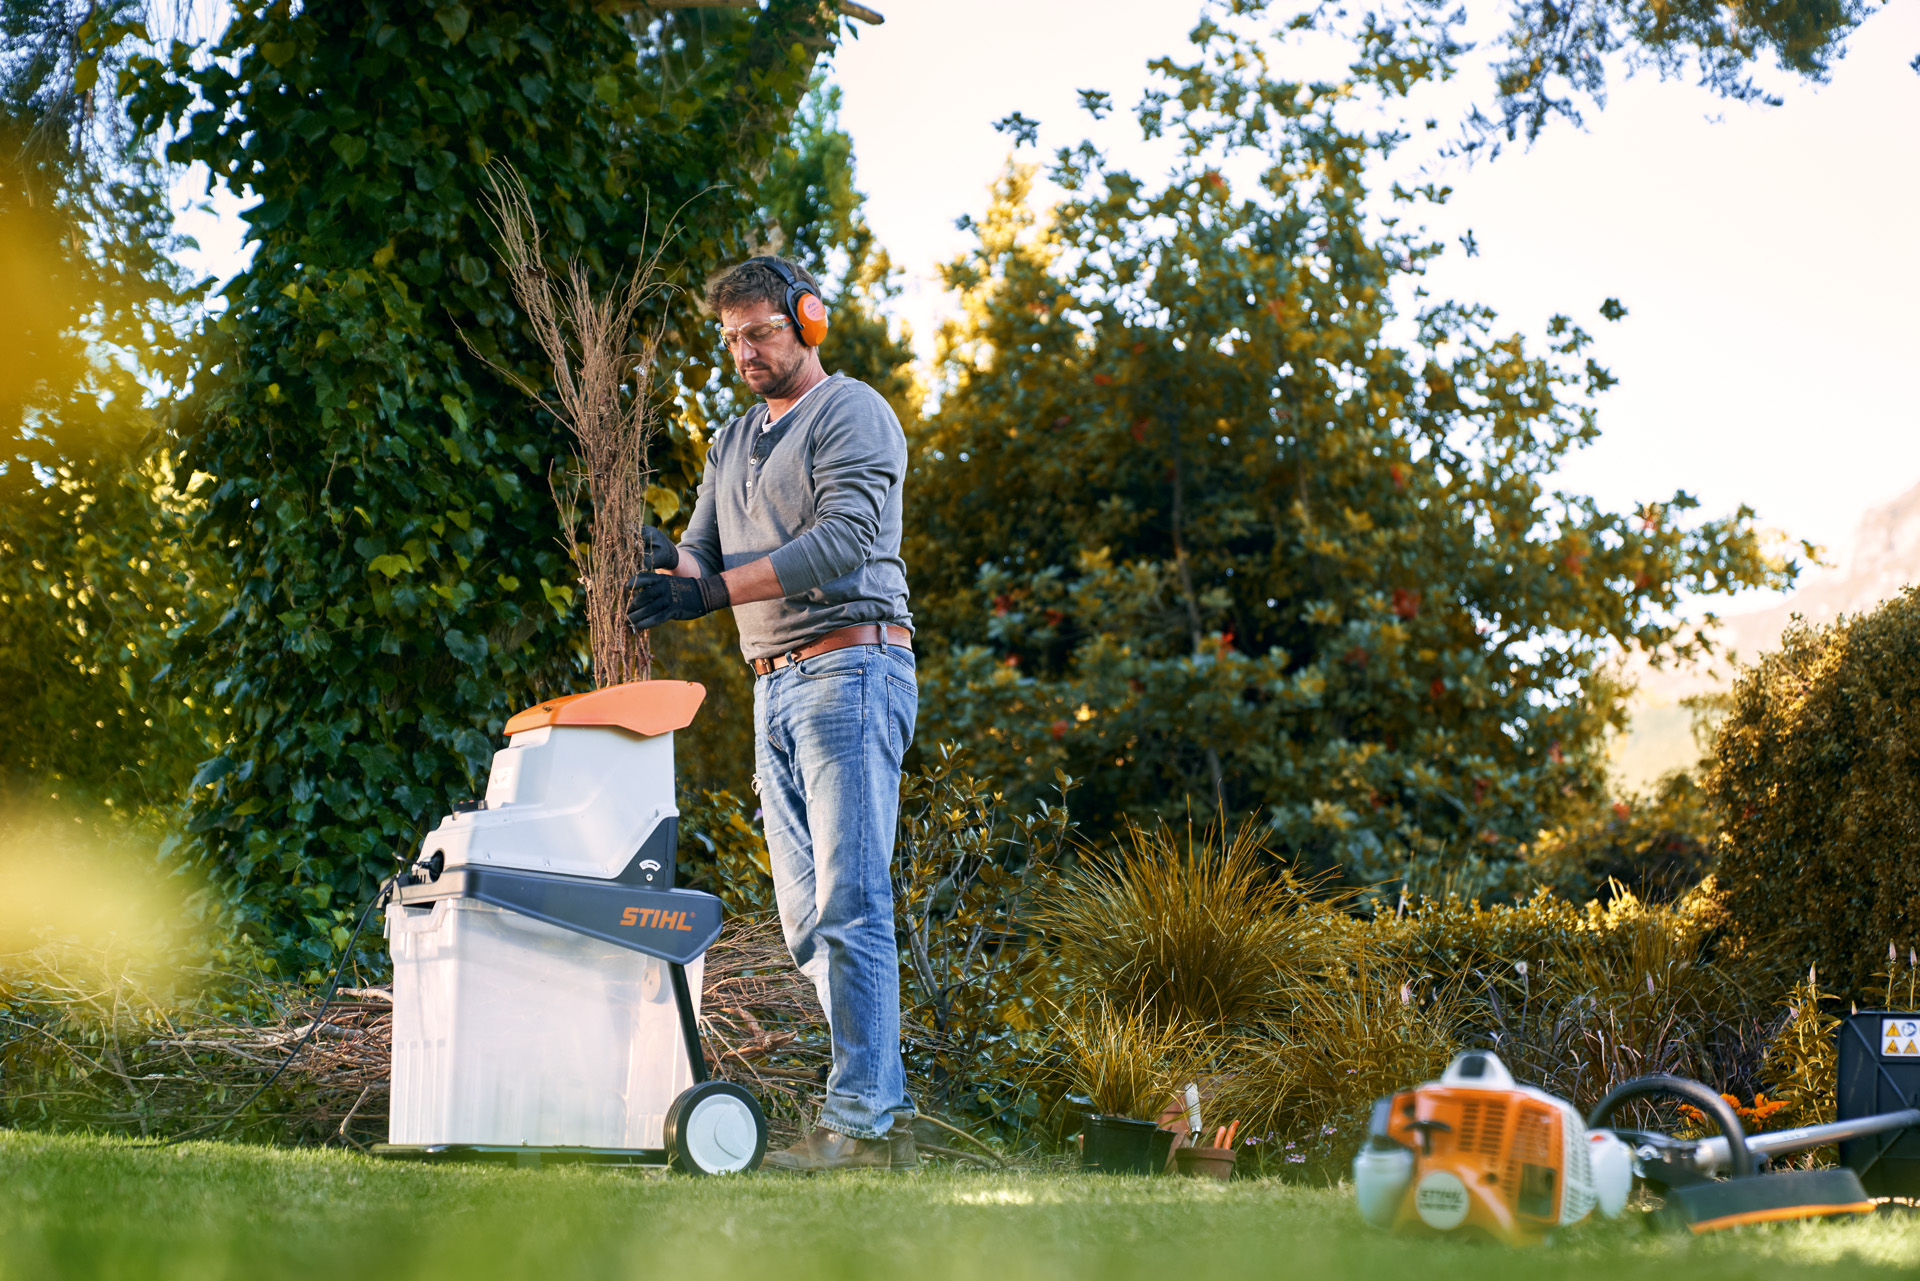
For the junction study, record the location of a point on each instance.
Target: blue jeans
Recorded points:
(829, 733)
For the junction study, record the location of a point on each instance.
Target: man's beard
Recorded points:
(783, 381)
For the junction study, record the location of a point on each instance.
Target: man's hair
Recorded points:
(746, 283)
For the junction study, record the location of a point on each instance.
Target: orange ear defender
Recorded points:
(803, 303)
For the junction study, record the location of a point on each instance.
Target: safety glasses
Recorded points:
(753, 334)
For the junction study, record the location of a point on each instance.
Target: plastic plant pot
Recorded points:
(1160, 1151)
(1205, 1163)
(1118, 1145)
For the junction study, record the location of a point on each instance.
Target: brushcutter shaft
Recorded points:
(1711, 1154)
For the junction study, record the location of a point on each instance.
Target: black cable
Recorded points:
(313, 1028)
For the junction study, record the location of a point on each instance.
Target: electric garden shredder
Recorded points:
(546, 970)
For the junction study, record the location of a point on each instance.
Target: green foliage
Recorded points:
(1802, 1067)
(723, 851)
(716, 752)
(1656, 846)
(1557, 54)
(976, 983)
(1123, 1058)
(1191, 523)
(1578, 998)
(96, 557)
(379, 496)
(1304, 1087)
(1814, 782)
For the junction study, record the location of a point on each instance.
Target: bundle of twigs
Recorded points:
(600, 390)
(334, 1091)
(105, 1040)
(763, 1025)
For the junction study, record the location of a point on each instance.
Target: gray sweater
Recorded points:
(823, 500)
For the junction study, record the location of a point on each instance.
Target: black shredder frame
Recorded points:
(1873, 1081)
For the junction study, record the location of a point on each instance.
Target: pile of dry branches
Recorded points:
(763, 1025)
(123, 1042)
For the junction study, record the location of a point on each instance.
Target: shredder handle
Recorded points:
(689, 1025)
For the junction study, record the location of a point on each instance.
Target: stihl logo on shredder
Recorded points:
(1900, 1038)
(655, 919)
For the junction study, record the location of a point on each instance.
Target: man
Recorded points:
(797, 528)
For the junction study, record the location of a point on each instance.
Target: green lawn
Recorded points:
(100, 1208)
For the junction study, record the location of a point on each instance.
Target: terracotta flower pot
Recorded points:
(1205, 1163)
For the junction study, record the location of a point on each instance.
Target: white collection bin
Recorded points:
(507, 1030)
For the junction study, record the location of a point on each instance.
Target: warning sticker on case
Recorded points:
(1900, 1038)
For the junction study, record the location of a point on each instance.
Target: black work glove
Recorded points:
(657, 551)
(663, 598)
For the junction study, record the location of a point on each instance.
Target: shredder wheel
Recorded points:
(715, 1128)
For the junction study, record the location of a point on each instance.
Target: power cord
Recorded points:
(380, 897)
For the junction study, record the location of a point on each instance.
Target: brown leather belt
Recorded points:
(840, 638)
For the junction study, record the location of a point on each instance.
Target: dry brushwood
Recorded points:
(601, 392)
(95, 1040)
(763, 1025)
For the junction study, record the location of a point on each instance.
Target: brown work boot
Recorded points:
(826, 1150)
(900, 1146)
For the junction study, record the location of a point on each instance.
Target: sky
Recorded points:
(1769, 257)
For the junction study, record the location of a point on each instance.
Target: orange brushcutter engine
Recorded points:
(1475, 1154)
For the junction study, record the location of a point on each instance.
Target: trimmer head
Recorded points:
(1791, 1194)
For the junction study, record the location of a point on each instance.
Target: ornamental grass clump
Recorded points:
(1303, 1084)
(1126, 1061)
(1198, 929)
(600, 390)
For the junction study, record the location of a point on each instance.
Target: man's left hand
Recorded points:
(662, 598)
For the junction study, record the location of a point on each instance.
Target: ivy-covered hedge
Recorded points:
(380, 495)
(1817, 778)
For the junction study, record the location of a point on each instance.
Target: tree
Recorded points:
(1557, 53)
(379, 496)
(1813, 780)
(1203, 520)
(96, 561)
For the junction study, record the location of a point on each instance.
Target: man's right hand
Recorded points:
(657, 551)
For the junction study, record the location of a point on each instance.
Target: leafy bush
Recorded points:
(1578, 998)
(1656, 846)
(724, 852)
(1803, 1062)
(975, 982)
(1199, 516)
(1816, 779)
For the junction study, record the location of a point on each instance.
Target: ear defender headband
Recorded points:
(803, 303)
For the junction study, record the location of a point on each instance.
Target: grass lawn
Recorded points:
(73, 1207)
